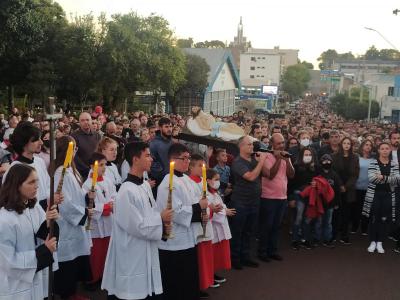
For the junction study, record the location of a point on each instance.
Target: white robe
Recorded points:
(105, 192)
(112, 173)
(74, 239)
(182, 200)
(196, 226)
(132, 268)
(44, 179)
(220, 225)
(18, 277)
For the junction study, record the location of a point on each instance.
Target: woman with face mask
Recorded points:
(305, 170)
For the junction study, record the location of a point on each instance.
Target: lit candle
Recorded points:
(68, 156)
(95, 173)
(204, 178)
(171, 174)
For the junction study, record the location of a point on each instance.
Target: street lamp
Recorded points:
(382, 36)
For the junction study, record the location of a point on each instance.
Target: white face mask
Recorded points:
(216, 185)
(305, 142)
(307, 159)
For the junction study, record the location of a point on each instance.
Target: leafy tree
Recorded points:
(295, 80)
(210, 44)
(372, 53)
(307, 64)
(185, 43)
(328, 57)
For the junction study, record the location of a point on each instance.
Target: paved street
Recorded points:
(345, 273)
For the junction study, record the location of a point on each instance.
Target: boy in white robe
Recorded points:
(132, 269)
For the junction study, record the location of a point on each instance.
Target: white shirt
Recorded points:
(113, 174)
(132, 268)
(219, 220)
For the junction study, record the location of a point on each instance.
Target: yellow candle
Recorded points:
(68, 156)
(204, 178)
(171, 174)
(95, 173)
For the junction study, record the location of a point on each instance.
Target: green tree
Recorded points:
(196, 80)
(372, 53)
(210, 44)
(327, 58)
(24, 31)
(185, 43)
(295, 80)
(307, 64)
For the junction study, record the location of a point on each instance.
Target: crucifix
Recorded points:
(52, 117)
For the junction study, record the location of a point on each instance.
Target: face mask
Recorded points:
(307, 159)
(305, 142)
(46, 143)
(216, 185)
(326, 166)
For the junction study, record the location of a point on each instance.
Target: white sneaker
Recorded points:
(379, 248)
(372, 247)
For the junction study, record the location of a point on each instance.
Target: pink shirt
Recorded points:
(277, 187)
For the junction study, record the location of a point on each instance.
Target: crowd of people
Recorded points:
(142, 214)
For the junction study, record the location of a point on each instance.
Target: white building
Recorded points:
(259, 69)
(223, 82)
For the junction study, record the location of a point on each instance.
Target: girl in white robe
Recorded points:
(101, 223)
(74, 241)
(109, 148)
(24, 258)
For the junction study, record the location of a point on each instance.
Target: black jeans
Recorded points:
(380, 216)
(356, 216)
(242, 229)
(344, 217)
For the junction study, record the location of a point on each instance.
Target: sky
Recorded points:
(311, 26)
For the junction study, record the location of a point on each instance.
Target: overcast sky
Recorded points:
(312, 26)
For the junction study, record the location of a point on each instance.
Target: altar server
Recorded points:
(109, 148)
(178, 257)
(132, 269)
(74, 242)
(101, 223)
(25, 247)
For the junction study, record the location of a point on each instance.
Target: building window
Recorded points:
(253, 58)
(251, 76)
(263, 67)
(252, 68)
(391, 91)
(258, 75)
(263, 57)
(262, 75)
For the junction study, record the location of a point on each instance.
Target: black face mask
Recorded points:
(326, 166)
(46, 143)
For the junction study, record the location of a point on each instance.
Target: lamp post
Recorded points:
(382, 36)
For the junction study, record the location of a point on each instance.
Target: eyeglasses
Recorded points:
(183, 158)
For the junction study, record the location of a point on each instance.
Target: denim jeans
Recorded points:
(323, 226)
(271, 214)
(299, 217)
(242, 229)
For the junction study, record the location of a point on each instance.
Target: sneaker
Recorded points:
(264, 258)
(295, 245)
(215, 285)
(219, 279)
(364, 233)
(372, 247)
(379, 248)
(345, 241)
(329, 245)
(397, 249)
(203, 295)
(307, 245)
(353, 232)
(391, 237)
(276, 257)
(250, 263)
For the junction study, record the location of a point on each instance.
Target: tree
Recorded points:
(308, 65)
(327, 58)
(185, 43)
(372, 53)
(210, 44)
(196, 80)
(24, 32)
(295, 80)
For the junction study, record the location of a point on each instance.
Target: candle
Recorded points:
(171, 174)
(68, 156)
(95, 174)
(204, 178)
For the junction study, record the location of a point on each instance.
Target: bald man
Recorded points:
(246, 169)
(86, 142)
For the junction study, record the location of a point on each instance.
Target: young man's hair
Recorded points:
(134, 149)
(219, 151)
(195, 158)
(176, 150)
(24, 133)
(164, 121)
(96, 156)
